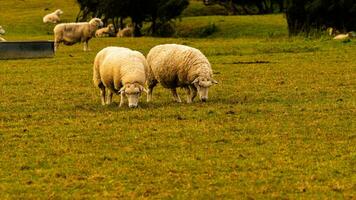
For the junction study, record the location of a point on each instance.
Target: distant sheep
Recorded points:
(174, 66)
(71, 33)
(342, 37)
(2, 39)
(2, 31)
(121, 71)
(53, 17)
(107, 31)
(126, 32)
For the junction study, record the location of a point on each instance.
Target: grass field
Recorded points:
(280, 124)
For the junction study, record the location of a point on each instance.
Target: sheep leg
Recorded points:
(102, 93)
(109, 99)
(193, 93)
(175, 95)
(86, 48)
(151, 85)
(189, 98)
(56, 45)
(122, 100)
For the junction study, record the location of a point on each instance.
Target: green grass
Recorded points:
(280, 124)
(234, 26)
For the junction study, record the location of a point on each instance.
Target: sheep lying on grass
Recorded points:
(120, 71)
(107, 31)
(71, 33)
(342, 37)
(346, 36)
(174, 66)
(53, 17)
(126, 32)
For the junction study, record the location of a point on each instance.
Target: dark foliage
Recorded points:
(306, 16)
(249, 6)
(158, 12)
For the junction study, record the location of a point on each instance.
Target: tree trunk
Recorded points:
(154, 26)
(233, 8)
(122, 22)
(281, 5)
(78, 16)
(137, 29)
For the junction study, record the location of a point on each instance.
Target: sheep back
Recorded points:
(177, 65)
(71, 33)
(116, 66)
(126, 32)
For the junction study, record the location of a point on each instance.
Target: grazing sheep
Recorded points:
(71, 33)
(2, 39)
(53, 17)
(174, 66)
(2, 31)
(126, 32)
(120, 71)
(109, 30)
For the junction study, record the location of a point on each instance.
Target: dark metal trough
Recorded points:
(26, 49)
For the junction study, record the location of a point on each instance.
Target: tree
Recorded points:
(249, 6)
(86, 7)
(164, 11)
(304, 16)
(157, 12)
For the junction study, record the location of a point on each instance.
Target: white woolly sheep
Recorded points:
(174, 66)
(121, 71)
(2, 39)
(2, 31)
(71, 33)
(53, 17)
(107, 31)
(126, 32)
(343, 36)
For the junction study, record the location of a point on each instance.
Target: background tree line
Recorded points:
(303, 16)
(157, 12)
(249, 6)
(308, 16)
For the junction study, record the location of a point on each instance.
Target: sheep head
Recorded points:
(132, 91)
(59, 12)
(97, 22)
(111, 29)
(202, 84)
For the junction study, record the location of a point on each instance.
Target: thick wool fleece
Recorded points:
(176, 65)
(117, 66)
(53, 17)
(71, 33)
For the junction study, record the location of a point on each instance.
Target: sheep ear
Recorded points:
(195, 81)
(214, 81)
(143, 89)
(122, 90)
